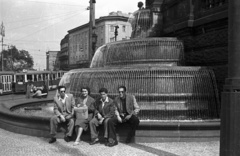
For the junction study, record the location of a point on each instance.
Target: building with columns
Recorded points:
(105, 28)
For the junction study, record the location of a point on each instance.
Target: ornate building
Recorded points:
(105, 31)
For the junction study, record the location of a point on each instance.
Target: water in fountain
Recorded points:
(150, 69)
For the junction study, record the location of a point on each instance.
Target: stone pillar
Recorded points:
(230, 104)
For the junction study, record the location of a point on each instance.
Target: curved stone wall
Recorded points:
(148, 131)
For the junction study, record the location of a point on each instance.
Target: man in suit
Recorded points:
(88, 102)
(127, 109)
(104, 110)
(63, 114)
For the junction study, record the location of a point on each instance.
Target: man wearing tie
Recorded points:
(63, 114)
(104, 110)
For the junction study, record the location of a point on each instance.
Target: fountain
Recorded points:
(151, 70)
(180, 101)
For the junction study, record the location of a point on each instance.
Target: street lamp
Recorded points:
(94, 41)
(2, 33)
(116, 32)
(47, 53)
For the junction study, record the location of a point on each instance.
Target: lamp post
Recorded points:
(91, 27)
(2, 34)
(94, 41)
(47, 53)
(116, 32)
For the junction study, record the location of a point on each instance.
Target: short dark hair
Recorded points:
(103, 90)
(125, 89)
(87, 88)
(60, 87)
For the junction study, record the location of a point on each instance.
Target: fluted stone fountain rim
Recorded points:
(112, 57)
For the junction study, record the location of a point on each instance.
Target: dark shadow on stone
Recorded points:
(152, 150)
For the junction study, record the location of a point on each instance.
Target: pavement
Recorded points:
(23, 145)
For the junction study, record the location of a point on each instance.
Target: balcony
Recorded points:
(179, 14)
(63, 56)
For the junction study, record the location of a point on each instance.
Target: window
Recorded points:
(123, 28)
(111, 28)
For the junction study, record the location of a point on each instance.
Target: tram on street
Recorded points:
(15, 82)
(6, 79)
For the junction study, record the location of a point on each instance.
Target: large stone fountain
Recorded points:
(152, 69)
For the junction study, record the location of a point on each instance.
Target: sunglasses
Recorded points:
(62, 91)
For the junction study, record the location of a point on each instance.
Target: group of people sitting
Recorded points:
(88, 112)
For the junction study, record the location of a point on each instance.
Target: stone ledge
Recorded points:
(148, 131)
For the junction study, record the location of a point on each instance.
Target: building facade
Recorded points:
(63, 54)
(52, 60)
(105, 27)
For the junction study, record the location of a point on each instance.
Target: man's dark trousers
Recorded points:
(133, 122)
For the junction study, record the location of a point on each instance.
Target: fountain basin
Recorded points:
(170, 93)
(148, 131)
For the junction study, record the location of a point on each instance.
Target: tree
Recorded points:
(17, 60)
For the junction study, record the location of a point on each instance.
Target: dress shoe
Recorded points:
(106, 142)
(111, 144)
(67, 138)
(52, 140)
(95, 141)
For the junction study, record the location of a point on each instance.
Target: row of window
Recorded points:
(112, 28)
(78, 58)
(79, 38)
(5, 78)
(81, 48)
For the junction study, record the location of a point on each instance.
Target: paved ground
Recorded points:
(23, 145)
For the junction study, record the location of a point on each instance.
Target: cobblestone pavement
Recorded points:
(22, 145)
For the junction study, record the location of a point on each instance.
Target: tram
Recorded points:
(11, 82)
(6, 81)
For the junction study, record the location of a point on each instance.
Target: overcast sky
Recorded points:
(39, 25)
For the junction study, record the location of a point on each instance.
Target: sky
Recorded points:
(38, 26)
